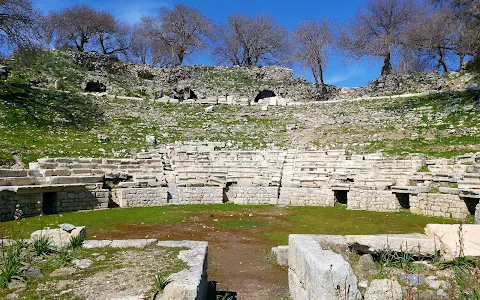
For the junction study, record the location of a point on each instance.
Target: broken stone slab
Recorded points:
(58, 236)
(448, 236)
(139, 243)
(372, 244)
(89, 244)
(281, 254)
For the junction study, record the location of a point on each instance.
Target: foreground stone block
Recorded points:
(449, 237)
(188, 284)
(377, 243)
(96, 244)
(315, 273)
(58, 236)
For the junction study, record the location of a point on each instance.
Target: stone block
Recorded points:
(58, 236)
(449, 239)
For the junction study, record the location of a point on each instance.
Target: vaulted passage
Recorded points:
(403, 200)
(49, 205)
(471, 204)
(341, 197)
(184, 94)
(96, 87)
(264, 94)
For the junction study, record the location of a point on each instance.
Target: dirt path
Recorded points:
(239, 260)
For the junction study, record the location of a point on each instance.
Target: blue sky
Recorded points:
(288, 13)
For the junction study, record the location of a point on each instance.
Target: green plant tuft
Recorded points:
(42, 245)
(11, 264)
(76, 241)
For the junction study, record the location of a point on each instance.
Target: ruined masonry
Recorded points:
(206, 173)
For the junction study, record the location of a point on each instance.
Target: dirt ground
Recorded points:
(239, 258)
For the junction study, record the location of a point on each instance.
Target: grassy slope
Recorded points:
(42, 122)
(273, 223)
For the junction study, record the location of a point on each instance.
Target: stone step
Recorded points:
(9, 181)
(73, 179)
(13, 173)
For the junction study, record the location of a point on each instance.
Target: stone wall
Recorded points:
(31, 205)
(82, 200)
(439, 205)
(66, 199)
(298, 196)
(253, 194)
(200, 195)
(140, 197)
(372, 200)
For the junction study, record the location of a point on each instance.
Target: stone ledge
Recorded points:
(188, 284)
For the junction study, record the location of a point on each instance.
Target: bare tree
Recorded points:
(433, 34)
(411, 61)
(247, 41)
(177, 33)
(17, 22)
(312, 38)
(79, 25)
(376, 29)
(467, 13)
(113, 37)
(140, 45)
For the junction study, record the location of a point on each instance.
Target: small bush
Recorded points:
(64, 256)
(42, 245)
(144, 74)
(76, 241)
(160, 281)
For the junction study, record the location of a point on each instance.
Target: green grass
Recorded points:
(268, 222)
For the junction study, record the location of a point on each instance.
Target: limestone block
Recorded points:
(449, 239)
(282, 102)
(371, 244)
(316, 274)
(58, 236)
(139, 243)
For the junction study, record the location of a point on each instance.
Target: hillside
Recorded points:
(37, 120)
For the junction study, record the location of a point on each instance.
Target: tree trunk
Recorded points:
(462, 59)
(476, 62)
(387, 65)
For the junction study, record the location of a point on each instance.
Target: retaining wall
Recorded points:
(65, 200)
(373, 200)
(140, 197)
(200, 195)
(439, 205)
(253, 194)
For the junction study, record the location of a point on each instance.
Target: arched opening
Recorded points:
(95, 86)
(184, 94)
(264, 94)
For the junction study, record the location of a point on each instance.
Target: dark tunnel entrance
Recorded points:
(264, 94)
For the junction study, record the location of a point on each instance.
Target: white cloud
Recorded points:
(346, 74)
(132, 11)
